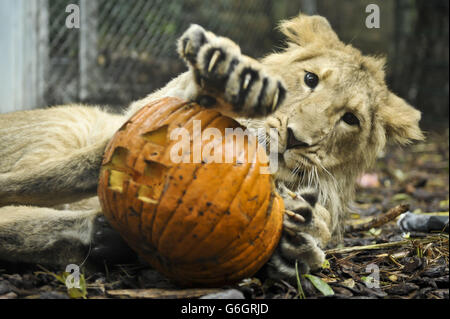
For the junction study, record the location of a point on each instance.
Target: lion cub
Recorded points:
(328, 104)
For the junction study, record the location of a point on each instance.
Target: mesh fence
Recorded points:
(125, 49)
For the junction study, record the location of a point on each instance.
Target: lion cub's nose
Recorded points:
(293, 142)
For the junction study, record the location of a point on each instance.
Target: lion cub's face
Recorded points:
(338, 111)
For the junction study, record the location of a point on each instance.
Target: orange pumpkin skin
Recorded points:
(198, 223)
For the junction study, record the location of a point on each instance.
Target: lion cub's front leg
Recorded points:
(224, 76)
(306, 231)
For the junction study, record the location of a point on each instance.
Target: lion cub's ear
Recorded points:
(304, 30)
(401, 120)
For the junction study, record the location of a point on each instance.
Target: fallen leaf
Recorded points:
(326, 264)
(401, 197)
(399, 175)
(393, 278)
(321, 285)
(443, 203)
(375, 231)
(350, 283)
(74, 292)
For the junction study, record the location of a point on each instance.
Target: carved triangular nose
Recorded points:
(293, 142)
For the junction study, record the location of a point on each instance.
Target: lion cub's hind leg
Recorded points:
(52, 156)
(221, 71)
(60, 236)
(45, 235)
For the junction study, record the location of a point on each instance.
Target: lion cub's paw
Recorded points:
(108, 246)
(305, 232)
(221, 71)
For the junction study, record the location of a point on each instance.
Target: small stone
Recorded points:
(227, 294)
(15, 280)
(402, 289)
(440, 293)
(4, 287)
(435, 271)
(342, 292)
(53, 295)
(9, 295)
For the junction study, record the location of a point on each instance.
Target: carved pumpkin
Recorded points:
(200, 223)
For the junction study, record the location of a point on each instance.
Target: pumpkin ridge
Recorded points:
(244, 267)
(210, 125)
(229, 261)
(136, 117)
(169, 117)
(270, 200)
(275, 238)
(188, 121)
(154, 209)
(166, 186)
(175, 111)
(159, 114)
(187, 233)
(231, 202)
(266, 220)
(218, 115)
(172, 212)
(105, 205)
(128, 206)
(254, 163)
(249, 222)
(141, 204)
(192, 118)
(250, 218)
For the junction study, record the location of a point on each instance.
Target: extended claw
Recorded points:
(297, 217)
(187, 48)
(275, 100)
(213, 61)
(291, 193)
(247, 80)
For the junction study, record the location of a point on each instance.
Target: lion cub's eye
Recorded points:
(311, 80)
(350, 119)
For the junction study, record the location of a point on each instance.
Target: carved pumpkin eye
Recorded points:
(311, 80)
(350, 119)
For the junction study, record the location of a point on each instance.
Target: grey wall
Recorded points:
(23, 53)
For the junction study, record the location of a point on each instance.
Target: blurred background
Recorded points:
(124, 49)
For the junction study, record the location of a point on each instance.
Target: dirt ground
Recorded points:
(378, 262)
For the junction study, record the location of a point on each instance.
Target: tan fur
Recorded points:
(41, 142)
(44, 142)
(349, 82)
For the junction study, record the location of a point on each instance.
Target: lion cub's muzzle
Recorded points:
(293, 142)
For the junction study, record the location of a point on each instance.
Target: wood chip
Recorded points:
(380, 219)
(162, 293)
